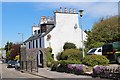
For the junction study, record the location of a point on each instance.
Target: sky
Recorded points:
(18, 17)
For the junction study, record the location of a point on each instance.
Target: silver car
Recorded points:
(17, 64)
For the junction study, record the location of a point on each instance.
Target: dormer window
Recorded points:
(35, 32)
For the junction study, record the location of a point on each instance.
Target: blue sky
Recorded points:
(18, 17)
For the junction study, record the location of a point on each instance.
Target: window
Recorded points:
(92, 51)
(29, 45)
(36, 44)
(35, 32)
(33, 43)
(40, 42)
(99, 50)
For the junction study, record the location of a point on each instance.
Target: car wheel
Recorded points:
(118, 60)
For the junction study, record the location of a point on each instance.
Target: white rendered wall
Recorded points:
(64, 31)
(35, 28)
(43, 43)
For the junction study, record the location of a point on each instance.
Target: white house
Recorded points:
(2, 55)
(55, 31)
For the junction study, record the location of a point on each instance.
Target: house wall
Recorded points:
(27, 45)
(35, 28)
(64, 31)
(43, 43)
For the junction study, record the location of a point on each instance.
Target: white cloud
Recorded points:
(102, 9)
(96, 9)
(92, 9)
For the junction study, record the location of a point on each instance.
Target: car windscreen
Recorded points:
(93, 50)
(116, 46)
(11, 62)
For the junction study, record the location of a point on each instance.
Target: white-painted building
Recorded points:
(55, 31)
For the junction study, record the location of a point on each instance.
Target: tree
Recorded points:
(12, 50)
(104, 31)
(69, 45)
(8, 46)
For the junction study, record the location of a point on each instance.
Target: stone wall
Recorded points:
(29, 61)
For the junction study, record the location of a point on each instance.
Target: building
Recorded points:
(3, 55)
(55, 31)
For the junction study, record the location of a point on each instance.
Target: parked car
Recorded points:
(112, 51)
(11, 64)
(17, 65)
(97, 51)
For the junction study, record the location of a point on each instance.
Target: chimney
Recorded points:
(56, 10)
(66, 10)
(74, 10)
(60, 9)
(70, 10)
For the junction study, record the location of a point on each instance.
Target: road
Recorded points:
(12, 74)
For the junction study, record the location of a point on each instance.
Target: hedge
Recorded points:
(69, 45)
(92, 60)
(49, 56)
(71, 54)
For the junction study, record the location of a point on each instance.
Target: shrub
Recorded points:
(69, 45)
(92, 60)
(71, 54)
(97, 70)
(68, 66)
(49, 49)
(49, 57)
(76, 68)
(59, 56)
(106, 72)
(62, 66)
(54, 65)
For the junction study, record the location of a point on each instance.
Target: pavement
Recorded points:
(46, 73)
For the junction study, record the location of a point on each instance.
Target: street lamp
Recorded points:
(81, 14)
(21, 62)
(22, 36)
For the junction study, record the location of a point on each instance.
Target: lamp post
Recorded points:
(22, 36)
(81, 14)
(21, 62)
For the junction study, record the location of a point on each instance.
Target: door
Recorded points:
(40, 59)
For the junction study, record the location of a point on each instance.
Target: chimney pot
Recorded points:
(56, 10)
(60, 9)
(66, 10)
(70, 10)
(74, 10)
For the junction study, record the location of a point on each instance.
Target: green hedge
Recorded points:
(54, 65)
(49, 56)
(69, 45)
(92, 60)
(61, 66)
(71, 54)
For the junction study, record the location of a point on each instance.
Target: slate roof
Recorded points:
(39, 35)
